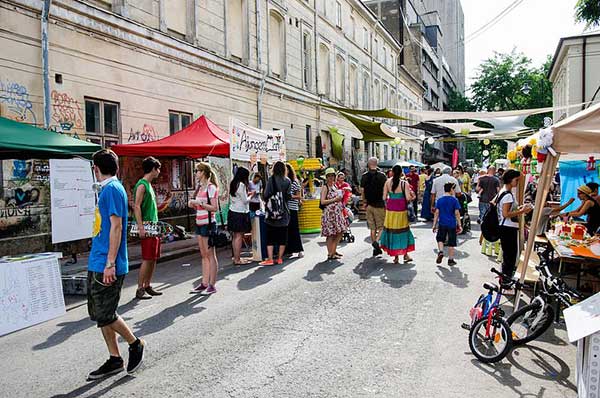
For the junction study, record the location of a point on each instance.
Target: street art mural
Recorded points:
(67, 115)
(147, 134)
(170, 202)
(15, 103)
(24, 198)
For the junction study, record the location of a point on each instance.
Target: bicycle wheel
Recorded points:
(494, 348)
(530, 322)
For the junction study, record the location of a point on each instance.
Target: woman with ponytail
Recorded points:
(396, 238)
(206, 204)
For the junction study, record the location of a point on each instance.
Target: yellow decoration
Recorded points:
(519, 148)
(97, 223)
(534, 152)
(511, 155)
(533, 141)
(309, 164)
(486, 141)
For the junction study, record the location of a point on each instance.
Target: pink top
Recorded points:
(201, 213)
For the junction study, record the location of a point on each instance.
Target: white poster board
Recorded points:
(72, 199)
(250, 144)
(30, 291)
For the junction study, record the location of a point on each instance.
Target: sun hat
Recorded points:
(584, 189)
(330, 170)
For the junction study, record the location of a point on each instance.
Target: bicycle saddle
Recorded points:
(490, 286)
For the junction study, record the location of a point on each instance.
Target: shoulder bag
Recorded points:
(217, 237)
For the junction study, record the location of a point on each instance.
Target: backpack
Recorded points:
(275, 204)
(490, 225)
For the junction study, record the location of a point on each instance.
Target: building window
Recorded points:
(376, 49)
(176, 17)
(365, 93)
(306, 60)
(384, 60)
(338, 14)
(102, 123)
(324, 74)
(353, 80)
(353, 29)
(385, 152)
(340, 79)
(237, 29)
(318, 147)
(178, 121)
(322, 6)
(276, 44)
(376, 95)
(385, 96)
(365, 39)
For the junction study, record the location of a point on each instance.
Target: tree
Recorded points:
(509, 82)
(588, 11)
(457, 102)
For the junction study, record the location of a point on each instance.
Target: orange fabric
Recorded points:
(583, 252)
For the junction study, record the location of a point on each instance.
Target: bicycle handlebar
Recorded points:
(507, 280)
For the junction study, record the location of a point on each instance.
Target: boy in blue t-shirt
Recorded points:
(107, 267)
(447, 223)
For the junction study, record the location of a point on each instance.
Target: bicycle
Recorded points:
(532, 320)
(490, 336)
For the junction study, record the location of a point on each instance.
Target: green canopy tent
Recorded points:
(371, 131)
(23, 141)
(381, 113)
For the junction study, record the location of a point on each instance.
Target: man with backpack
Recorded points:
(371, 184)
(487, 187)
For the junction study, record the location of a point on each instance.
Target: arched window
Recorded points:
(353, 86)
(376, 94)
(324, 68)
(276, 44)
(237, 29)
(366, 95)
(385, 96)
(340, 78)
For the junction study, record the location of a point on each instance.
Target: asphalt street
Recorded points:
(361, 327)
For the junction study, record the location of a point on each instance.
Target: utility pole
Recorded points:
(45, 67)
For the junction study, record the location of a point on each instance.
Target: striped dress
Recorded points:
(396, 238)
(201, 213)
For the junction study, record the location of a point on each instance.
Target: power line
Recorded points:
(494, 20)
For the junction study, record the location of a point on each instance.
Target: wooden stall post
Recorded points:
(544, 181)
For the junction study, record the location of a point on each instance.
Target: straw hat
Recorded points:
(584, 189)
(330, 170)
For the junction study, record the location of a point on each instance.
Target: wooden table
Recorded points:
(570, 254)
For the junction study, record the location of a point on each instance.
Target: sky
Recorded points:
(534, 27)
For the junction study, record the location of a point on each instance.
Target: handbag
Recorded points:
(275, 204)
(217, 237)
(321, 205)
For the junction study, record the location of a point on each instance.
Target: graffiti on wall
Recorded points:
(147, 134)
(67, 116)
(24, 198)
(14, 97)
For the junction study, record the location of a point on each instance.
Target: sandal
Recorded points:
(396, 260)
(407, 260)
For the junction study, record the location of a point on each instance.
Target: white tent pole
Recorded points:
(548, 169)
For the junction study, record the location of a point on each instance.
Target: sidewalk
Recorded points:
(74, 275)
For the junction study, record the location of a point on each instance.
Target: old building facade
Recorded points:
(129, 71)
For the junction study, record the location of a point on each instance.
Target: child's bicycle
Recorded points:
(490, 336)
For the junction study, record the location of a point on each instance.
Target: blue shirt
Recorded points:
(111, 202)
(447, 205)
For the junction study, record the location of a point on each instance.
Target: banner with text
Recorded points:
(252, 145)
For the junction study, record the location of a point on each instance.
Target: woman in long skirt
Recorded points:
(397, 239)
(294, 244)
(426, 209)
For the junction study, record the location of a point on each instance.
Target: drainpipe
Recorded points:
(261, 89)
(45, 68)
(317, 52)
(583, 73)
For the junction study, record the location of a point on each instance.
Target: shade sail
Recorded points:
(371, 131)
(337, 143)
(200, 139)
(579, 133)
(381, 113)
(24, 141)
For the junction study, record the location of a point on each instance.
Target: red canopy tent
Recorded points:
(200, 139)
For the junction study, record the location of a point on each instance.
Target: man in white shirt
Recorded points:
(437, 190)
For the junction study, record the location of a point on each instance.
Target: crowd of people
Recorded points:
(390, 204)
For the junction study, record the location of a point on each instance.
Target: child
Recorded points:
(447, 215)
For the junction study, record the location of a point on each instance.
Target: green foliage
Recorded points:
(457, 102)
(500, 81)
(588, 11)
(474, 150)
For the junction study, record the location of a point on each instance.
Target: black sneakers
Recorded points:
(111, 367)
(451, 262)
(153, 292)
(136, 355)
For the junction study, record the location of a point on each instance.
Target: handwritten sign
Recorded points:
(250, 144)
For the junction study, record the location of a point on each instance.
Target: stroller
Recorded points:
(347, 235)
(465, 219)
